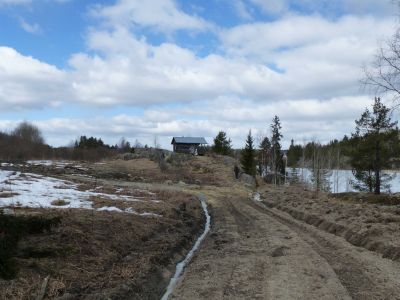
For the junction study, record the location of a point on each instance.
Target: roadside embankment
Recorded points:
(373, 226)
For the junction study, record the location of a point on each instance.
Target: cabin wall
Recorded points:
(185, 148)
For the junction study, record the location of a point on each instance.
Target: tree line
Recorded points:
(269, 160)
(26, 142)
(374, 146)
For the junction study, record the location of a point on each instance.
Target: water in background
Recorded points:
(339, 180)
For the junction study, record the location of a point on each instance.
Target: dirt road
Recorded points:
(254, 252)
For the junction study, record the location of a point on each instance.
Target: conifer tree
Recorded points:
(222, 145)
(276, 157)
(248, 156)
(263, 154)
(375, 136)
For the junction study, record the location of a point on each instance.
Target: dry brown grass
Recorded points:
(59, 202)
(8, 194)
(96, 252)
(363, 219)
(203, 170)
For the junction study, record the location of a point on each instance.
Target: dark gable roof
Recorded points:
(188, 140)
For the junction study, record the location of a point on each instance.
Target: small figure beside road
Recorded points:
(237, 171)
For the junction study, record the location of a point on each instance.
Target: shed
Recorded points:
(192, 145)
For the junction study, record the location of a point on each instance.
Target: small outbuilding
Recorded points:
(191, 145)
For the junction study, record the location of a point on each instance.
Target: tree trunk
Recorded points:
(377, 169)
(370, 182)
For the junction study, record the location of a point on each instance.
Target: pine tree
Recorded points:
(222, 145)
(374, 137)
(248, 156)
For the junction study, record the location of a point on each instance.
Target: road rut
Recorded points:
(254, 252)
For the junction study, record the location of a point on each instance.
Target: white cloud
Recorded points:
(322, 120)
(131, 71)
(32, 28)
(241, 9)
(318, 58)
(161, 15)
(293, 31)
(296, 57)
(29, 83)
(303, 68)
(314, 55)
(318, 64)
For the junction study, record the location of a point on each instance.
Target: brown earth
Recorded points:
(201, 170)
(273, 249)
(107, 255)
(255, 252)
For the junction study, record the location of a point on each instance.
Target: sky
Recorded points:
(150, 70)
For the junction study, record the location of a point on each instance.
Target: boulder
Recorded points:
(247, 179)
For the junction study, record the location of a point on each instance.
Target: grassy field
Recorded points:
(127, 250)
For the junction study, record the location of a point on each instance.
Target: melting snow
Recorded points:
(180, 267)
(6, 165)
(33, 190)
(110, 208)
(58, 164)
(257, 197)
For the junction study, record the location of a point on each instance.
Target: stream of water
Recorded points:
(180, 267)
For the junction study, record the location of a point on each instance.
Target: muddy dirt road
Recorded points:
(254, 252)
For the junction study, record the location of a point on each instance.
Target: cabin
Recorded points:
(191, 145)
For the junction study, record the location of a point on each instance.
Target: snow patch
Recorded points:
(6, 164)
(37, 191)
(110, 208)
(257, 197)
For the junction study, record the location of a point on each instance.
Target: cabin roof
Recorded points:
(188, 140)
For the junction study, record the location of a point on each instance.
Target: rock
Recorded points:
(279, 251)
(128, 258)
(169, 182)
(66, 296)
(247, 179)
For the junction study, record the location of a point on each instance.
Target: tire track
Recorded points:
(356, 274)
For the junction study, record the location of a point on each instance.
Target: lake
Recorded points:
(339, 180)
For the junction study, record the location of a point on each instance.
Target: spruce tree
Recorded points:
(248, 156)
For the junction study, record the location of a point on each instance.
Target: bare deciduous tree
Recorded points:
(29, 133)
(383, 75)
